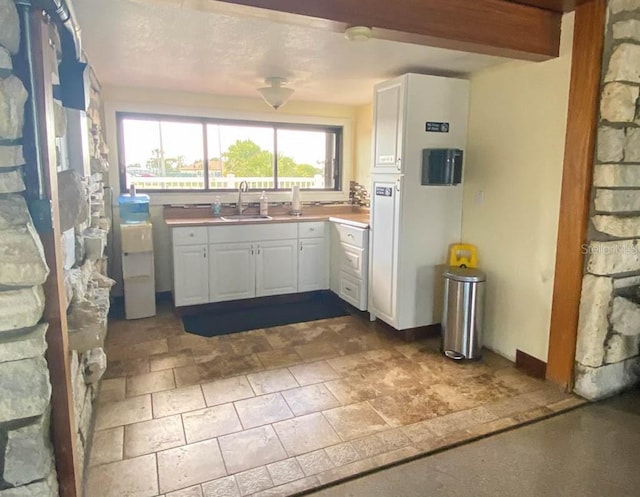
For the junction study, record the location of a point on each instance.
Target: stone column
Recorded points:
(608, 348)
(26, 455)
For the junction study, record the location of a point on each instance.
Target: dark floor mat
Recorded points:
(321, 305)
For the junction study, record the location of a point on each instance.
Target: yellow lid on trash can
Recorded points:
(463, 255)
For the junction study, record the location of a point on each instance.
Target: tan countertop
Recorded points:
(196, 216)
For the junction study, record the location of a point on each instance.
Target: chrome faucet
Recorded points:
(242, 187)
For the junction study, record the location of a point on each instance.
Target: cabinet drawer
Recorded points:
(352, 260)
(189, 235)
(313, 229)
(351, 290)
(253, 233)
(353, 236)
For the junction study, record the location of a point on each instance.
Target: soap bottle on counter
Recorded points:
(216, 207)
(264, 205)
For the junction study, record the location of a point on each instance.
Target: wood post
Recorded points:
(58, 357)
(584, 93)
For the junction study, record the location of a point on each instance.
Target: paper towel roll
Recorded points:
(295, 198)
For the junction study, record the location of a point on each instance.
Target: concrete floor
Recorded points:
(591, 451)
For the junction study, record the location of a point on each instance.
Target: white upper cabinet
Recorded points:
(388, 126)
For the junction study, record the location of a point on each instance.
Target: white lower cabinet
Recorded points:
(349, 263)
(246, 270)
(232, 268)
(276, 268)
(252, 261)
(190, 274)
(242, 262)
(312, 265)
(313, 256)
(351, 289)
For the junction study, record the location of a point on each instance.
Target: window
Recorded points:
(168, 153)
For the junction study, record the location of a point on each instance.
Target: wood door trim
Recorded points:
(492, 27)
(584, 93)
(58, 358)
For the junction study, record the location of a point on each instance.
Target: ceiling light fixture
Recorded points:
(275, 94)
(358, 33)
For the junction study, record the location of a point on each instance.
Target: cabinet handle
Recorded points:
(258, 249)
(312, 229)
(398, 185)
(204, 253)
(349, 235)
(301, 247)
(347, 288)
(251, 249)
(399, 164)
(191, 235)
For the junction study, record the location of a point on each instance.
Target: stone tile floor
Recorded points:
(273, 412)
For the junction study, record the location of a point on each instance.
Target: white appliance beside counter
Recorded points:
(138, 270)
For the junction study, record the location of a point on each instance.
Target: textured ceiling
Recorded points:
(196, 45)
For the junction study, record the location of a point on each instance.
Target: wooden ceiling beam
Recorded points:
(491, 27)
(554, 5)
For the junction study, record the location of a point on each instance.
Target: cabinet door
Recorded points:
(232, 268)
(383, 253)
(190, 278)
(276, 267)
(312, 265)
(388, 118)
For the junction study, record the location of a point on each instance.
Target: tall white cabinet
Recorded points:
(412, 225)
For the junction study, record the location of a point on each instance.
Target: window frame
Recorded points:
(337, 130)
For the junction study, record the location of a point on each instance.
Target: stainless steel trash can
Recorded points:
(462, 313)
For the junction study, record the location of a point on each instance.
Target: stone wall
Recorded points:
(608, 348)
(86, 282)
(26, 455)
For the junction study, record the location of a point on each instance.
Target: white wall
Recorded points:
(192, 104)
(363, 145)
(512, 180)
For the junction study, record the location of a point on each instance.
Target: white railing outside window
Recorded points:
(220, 183)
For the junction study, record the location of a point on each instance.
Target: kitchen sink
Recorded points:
(247, 217)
